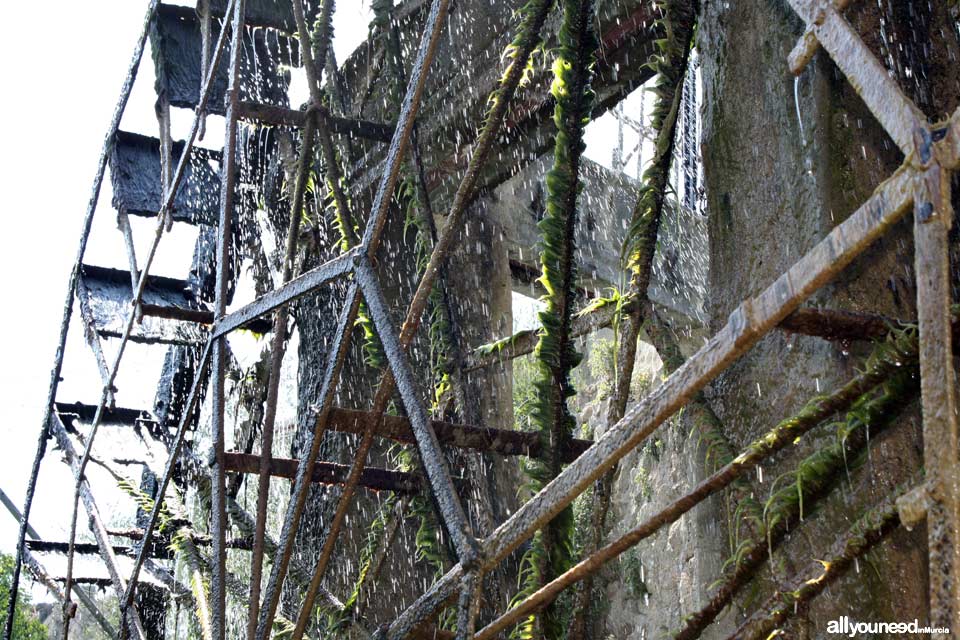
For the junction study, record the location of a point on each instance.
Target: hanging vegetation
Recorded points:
(551, 551)
(677, 23)
(864, 535)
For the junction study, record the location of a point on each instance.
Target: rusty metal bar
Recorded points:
(895, 112)
(175, 448)
(747, 324)
(501, 441)
(932, 221)
(301, 285)
(457, 524)
(835, 324)
(218, 520)
(301, 485)
(277, 351)
(326, 473)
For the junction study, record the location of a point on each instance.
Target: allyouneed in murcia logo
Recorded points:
(850, 628)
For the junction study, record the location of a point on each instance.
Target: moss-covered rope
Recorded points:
(550, 553)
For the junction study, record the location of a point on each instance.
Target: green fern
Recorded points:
(670, 64)
(551, 551)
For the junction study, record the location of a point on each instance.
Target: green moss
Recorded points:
(551, 551)
(670, 65)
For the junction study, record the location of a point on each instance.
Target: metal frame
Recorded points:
(932, 152)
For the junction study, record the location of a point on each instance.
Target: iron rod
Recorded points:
(301, 484)
(431, 454)
(277, 351)
(325, 473)
(299, 286)
(746, 325)
(432, 28)
(218, 520)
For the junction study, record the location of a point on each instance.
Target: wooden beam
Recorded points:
(326, 473)
(282, 116)
(500, 441)
(932, 220)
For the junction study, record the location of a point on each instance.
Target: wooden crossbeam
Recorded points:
(501, 441)
(941, 452)
(326, 472)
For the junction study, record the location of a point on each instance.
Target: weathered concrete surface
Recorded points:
(606, 206)
(774, 190)
(176, 46)
(135, 176)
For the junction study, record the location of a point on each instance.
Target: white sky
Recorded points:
(62, 78)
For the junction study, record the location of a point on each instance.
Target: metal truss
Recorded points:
(922, 183)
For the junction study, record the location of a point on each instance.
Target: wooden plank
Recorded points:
(895, 112)
(932, 219)
(326, 472)
(501, 441)
(747, 324)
